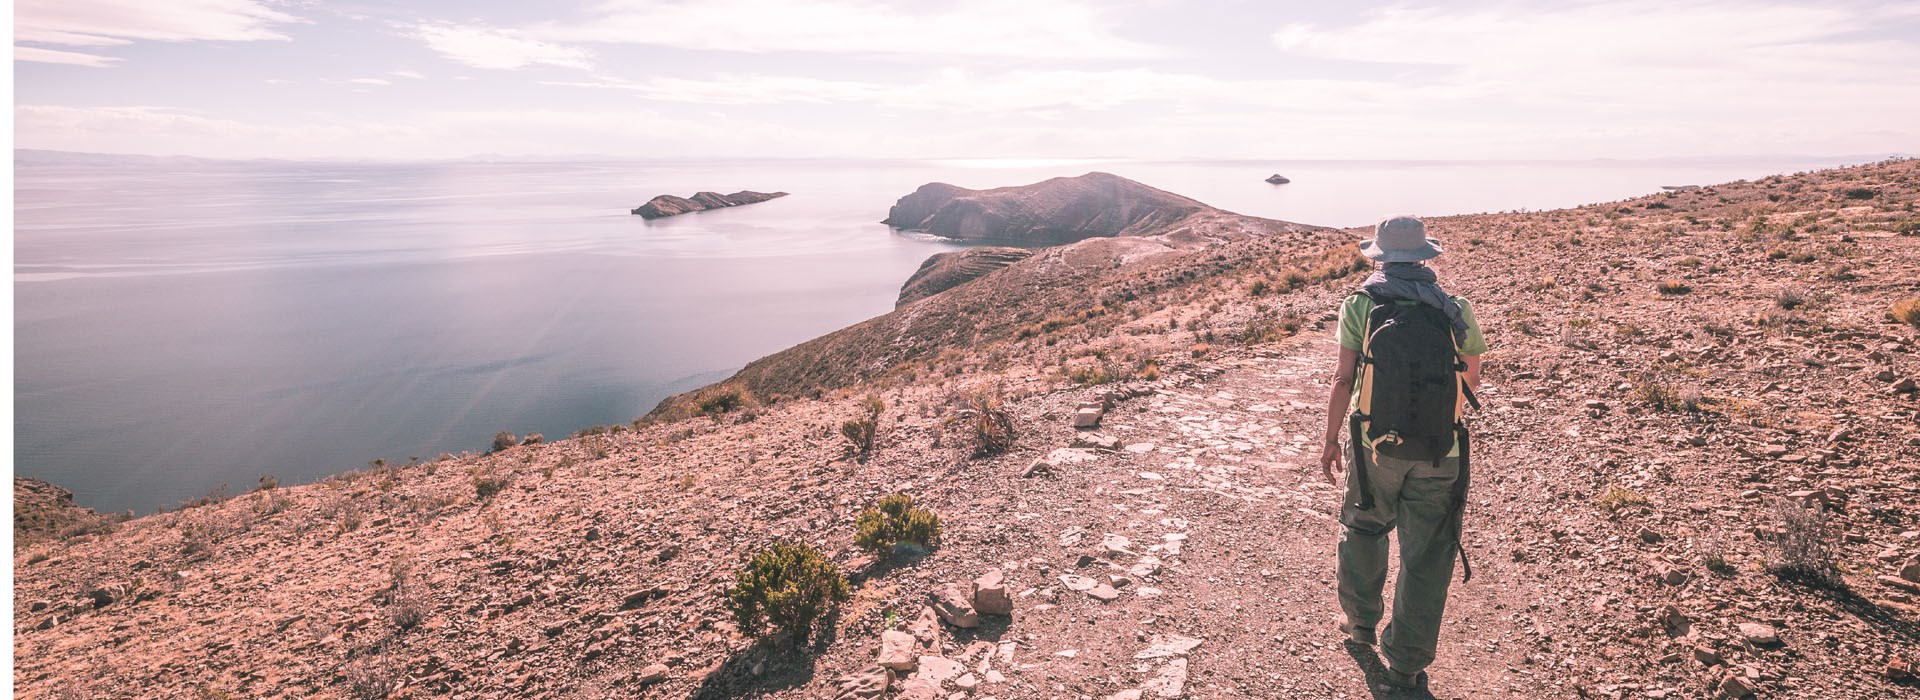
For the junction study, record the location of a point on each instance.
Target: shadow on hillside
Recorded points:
(1376, 672)
(781, 666)
(1843, 597)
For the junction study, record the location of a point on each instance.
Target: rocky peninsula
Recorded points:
(1060, 210)
(668, 205)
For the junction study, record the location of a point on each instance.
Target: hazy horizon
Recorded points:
(1484, 80)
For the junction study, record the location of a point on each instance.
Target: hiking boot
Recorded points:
(1404, 681)
(1359, 634)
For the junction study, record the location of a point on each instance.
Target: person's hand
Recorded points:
(1330, 459)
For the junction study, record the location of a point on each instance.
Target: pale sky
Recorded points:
(1271, 79)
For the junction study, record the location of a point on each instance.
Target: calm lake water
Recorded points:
(179, 325)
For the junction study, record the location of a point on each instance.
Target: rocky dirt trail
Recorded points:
(1197, 514)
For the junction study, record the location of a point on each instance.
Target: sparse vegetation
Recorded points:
(373, 676)
(1660, 396)
(488, 483)
(783, 590)
(985, 422)
(895, 525)
(503, 440)
(1673, 287)
(1906, 311)
(860, 431)
(407, 604)
(1616, 497)
(1859, 193)
(1805, 544)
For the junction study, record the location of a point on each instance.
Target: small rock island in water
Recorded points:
(1278, 179)
(668, 205)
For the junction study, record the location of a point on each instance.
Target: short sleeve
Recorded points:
(1353, 322)
(1474, 344)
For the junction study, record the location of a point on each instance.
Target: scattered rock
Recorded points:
(953, 606)
(990, 594)
(868, 683)
(937, 670)
(1733, 686)
(1648, 536)
(1759, 635)
(1076, 582)
(1706, 655)
(925, 629)
(1096, 441)
(1171, 682)
(1168, 647)
(1057, 458)
(1103, 592)
(1087, 417)
(897, 650)
(1676, 623)
(653, 673)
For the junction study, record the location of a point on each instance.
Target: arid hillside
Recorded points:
(1697, 475)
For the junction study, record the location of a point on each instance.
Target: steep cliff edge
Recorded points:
(1060, 210)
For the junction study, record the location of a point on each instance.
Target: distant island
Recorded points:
(668, 205)
(1278, 179)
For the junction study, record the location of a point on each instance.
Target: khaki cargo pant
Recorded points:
(1411, 496)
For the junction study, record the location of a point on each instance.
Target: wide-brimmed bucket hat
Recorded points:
(1400, 239)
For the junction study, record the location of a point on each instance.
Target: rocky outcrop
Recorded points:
(668, 205)
(1060, 210)
(945, 271)
(43, 511)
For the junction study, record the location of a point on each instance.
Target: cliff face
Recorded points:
(1060, 210)
(668, 205)
(948, 270)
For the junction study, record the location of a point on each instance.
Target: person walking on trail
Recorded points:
(1409, 361)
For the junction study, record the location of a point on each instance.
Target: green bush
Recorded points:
(895, 524)
(784, 589)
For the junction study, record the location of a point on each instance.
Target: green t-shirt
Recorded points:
(1353, 329)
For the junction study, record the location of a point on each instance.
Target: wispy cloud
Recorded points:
(498, 49)
(409, 74)
(370, 81)
(1061, 29)
(102, 23)
(73, 58)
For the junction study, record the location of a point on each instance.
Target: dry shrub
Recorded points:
(407, 604)
(985, 423)
(1616, 497)
(861, 431)
(373, 676)
(1906, 311)
(1673, 287)
(1806, 545)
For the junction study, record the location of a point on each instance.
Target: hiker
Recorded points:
(1410, 453)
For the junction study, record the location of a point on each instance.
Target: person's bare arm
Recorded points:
(1337, 400)
(1473, 373)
